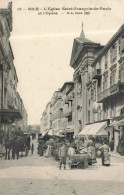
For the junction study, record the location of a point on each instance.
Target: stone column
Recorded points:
(85, 95)
(82, 99)
(75, 105)
(1, 85)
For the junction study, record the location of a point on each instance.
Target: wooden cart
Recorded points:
(78, 160)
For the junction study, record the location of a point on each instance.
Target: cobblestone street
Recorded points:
(34, 175)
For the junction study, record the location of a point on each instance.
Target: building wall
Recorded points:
(84, 102)
(9, 97)
(110, 86)
(112, 73)
(57, 111)
(45, 122)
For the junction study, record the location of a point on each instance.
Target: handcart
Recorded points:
(78, 160)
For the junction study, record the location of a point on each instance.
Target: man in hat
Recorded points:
(62, 155)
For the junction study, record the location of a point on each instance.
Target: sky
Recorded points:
(42, 45)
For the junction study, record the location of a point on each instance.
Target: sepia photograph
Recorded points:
(61, 97)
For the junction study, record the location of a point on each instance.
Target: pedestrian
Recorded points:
(32, 148)
(62, 156)
(91, 151)
(27, 145)
(48, 153)
(105, 154)
(121, 146)
(14, 146)
(71, 150)
(111, 145)
(18, 146)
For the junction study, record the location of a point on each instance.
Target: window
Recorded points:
(113, 53)
(99, 113)
(92, 94)
(94, 91)
(119, 48)
(113, 108)
(88, 116)
(119, 76)
(1, 29)
(99, 63)
(112, 77)
(105, 111)
(122, 44)
(105, 82)
(106, 61)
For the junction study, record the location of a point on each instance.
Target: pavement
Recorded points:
(116, 155)
(35, 175)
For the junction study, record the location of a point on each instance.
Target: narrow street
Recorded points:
(35, 175)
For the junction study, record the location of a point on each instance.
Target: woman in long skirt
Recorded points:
(48, 153)
(105, 154)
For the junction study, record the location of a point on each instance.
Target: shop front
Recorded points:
(95, 129)
(7, 118)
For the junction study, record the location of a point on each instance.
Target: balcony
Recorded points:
(97, 74)
(114, 90)
(68, 114)
(8, 116)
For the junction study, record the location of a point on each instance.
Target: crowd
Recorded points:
(17, 144)
(62, 150)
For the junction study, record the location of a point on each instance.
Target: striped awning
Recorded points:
(95, 129)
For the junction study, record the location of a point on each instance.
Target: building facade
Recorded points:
(58, 116)
(94, 103)
(67, 122)
(12, 110)
(45, 121)
(56, 111)
(108, 70)
(83, 54)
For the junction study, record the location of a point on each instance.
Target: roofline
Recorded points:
(84, 46)
(109, 44)
(70, 90)
(66, 83)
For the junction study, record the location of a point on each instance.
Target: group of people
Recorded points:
(61, 149)
(16, 142)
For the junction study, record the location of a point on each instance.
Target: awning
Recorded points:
(59, 135)
(44, 133)
(50, 132)
(56, 132)
(119, 123)
(8, 116)
(85, 129)
(95, 129)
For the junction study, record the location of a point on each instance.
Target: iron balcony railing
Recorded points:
(113, 90)
(96, 73)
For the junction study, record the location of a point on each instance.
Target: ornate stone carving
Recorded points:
(79, 91)
(75, 78)
(82, 71)
(79, 108)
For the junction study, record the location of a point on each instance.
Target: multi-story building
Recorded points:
(83, 54)
(56, 111)
(67, 120)
(45, 121)
(108, 70)
(58, 116)
(11, 105)
(68, 109)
